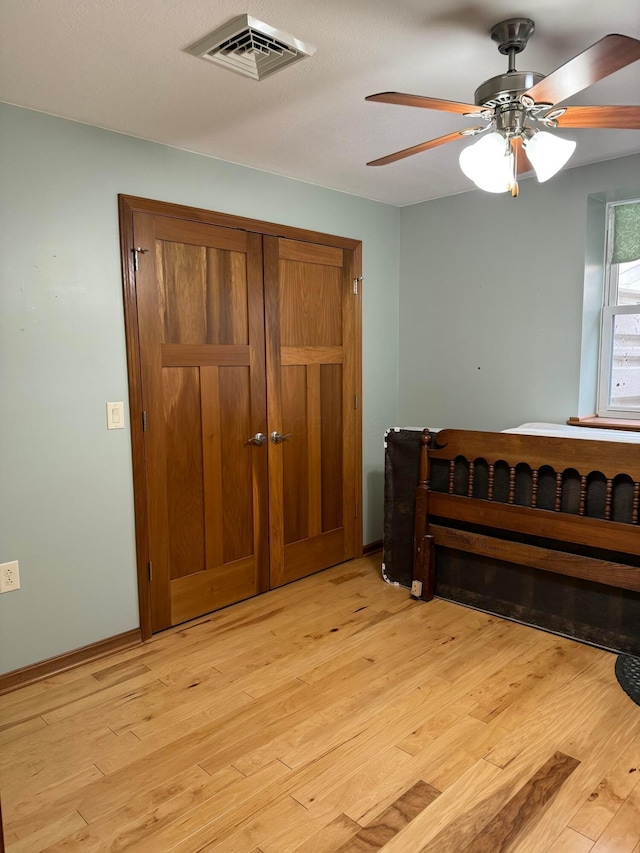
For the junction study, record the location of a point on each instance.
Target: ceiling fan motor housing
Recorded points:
(513, 34)
(505, 88)
(502, 93)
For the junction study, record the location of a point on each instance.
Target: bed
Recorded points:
(539, 528)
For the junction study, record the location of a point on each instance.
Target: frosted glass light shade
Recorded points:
(548, 153)
(489, 163)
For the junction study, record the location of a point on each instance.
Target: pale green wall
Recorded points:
(65, 482)
(491, 302)
(485, 282)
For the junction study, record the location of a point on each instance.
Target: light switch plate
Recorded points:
(115, 415)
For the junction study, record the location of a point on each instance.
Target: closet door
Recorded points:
(312, 340)
(200, 314)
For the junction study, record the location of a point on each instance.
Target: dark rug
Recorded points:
(628, 675)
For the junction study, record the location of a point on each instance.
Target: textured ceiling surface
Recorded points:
(123, 65)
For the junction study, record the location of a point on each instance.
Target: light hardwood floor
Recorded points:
(334, 714)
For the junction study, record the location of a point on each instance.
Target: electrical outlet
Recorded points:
(9, 576)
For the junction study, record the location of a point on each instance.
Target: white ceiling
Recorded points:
(122, 65)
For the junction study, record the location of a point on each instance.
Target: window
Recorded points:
(619, 370)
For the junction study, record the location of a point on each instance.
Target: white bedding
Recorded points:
(566, 431)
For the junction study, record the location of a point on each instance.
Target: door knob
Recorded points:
(259, 439)
(276, 438)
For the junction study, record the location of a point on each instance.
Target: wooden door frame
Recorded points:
(128, 205)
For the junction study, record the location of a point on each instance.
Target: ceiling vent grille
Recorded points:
(251, 48)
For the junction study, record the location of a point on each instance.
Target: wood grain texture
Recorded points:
(601, 116)
(206, 487)
(312, 555)
(538, 451)
(210, 590)
(132, 336)
(392, 820)
(623, 832)
(237, 493)
(36, 672)
(416, 149)
(353, 272)
(610, 535)
(295, 453)
(183, 231)
(243, 223)
(603, 58)
(331, 441)
(151, 333)
(310, 305)
(605, 799)
(227, 307)
(318, 485)
(525, 807)
(352, 511)
(182, 277)
(205, 355)
(295, 250)
(311, 355)
(209, 312)
(317, 316)
(422, 101)
(258, 379)
(560, 562)
(273, 344)
(184, 466)
(281, 724)
(571, 842)
(212, 466)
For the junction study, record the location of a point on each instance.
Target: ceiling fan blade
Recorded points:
(416, 149)
(425, 103)
(614, 116)
(523, 164)
(596, 62)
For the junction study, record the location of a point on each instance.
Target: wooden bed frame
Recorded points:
(482, 493)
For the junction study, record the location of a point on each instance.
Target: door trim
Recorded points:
(128, 205)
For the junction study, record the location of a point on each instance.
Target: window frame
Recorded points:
(610, 310)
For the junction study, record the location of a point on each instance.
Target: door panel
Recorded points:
(295, 457)
(236, 498)
(311, 396)
(201, 329)
(331, 449)
(184, 469)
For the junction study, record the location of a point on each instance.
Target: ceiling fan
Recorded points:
(518, 106)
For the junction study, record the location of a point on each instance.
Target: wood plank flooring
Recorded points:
(333, 715)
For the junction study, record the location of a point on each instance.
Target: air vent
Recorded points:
(252, 48)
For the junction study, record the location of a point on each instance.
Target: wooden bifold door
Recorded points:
(244, 376)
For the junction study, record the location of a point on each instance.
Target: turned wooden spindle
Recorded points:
(558, 504)
(491, 481)
(452, 474)
(472, 474)
(583, 495)
(608, 502)
(534, 487)
(423, 550)
(512, 485)
(636, 503)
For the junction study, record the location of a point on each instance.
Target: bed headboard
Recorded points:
(534, 500)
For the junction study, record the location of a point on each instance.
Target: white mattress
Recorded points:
(566, 431)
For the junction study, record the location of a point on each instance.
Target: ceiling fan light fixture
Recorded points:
(489, 163)
(548, 153)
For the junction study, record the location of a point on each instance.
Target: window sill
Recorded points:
(606, 423)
